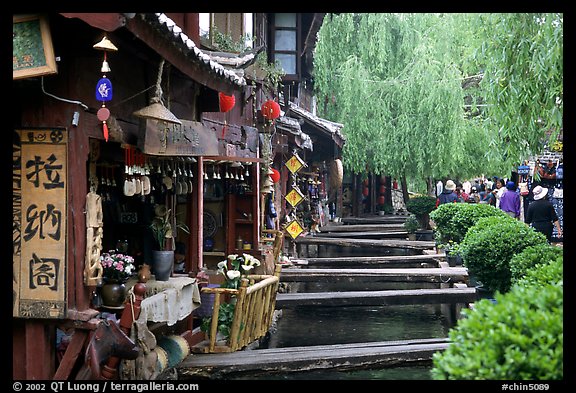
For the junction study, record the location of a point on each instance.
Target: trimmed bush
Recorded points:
(518, 338)
(532, 256)
(454, 219)
(551, 273)
(421, 206)
(489, 246)
(442, 216)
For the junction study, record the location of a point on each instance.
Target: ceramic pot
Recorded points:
(162, 263)
(113, 293)
(144, 273)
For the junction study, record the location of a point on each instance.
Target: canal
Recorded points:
(317, 325)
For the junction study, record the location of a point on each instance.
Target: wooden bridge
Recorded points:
(292, 359)
(338, 257)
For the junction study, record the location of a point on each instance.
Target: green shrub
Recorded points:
(411, 224)
(454, 219)
(518, 338)
(551, 273)
(442, 216)
(532, 256)
(421, 206)
(489, 246)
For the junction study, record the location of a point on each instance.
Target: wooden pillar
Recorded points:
(35, 358)
(197, 237)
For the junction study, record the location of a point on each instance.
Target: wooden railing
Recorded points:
(253, 313)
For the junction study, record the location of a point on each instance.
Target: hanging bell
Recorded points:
(105, 67)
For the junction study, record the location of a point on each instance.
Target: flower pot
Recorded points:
(424, 235)
(113, 293)
(162, 262)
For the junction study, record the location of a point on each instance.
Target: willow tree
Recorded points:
(395, 81)
(522, 57)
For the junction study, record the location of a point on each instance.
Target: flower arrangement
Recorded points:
(239, 265)
(117, 266)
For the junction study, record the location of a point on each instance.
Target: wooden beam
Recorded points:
(435, 275)
(107, 21)
(296, 359)
(371, 243)
(377, 298)
(166, 47)
(71, 355)
(420, 261)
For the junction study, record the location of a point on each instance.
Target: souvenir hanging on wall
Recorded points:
(295, 163)
(104, 91)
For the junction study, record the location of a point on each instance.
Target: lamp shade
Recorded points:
(226, 102)
(157, 111)
(270, 110)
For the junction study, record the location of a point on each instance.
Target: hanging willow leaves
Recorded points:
(396, 82)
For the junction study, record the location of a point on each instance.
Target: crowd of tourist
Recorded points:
(529, 204)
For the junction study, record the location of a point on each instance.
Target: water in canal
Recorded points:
(319, 325)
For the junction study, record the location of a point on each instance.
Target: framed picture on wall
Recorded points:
(32, 50)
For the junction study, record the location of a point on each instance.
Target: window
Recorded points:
(285, 44)
(236, 26)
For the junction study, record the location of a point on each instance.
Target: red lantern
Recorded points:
(365, 191)
(381, 200)
(275, 176)
(270, 110)
(226, 102)
(365, 182)
(382, 189)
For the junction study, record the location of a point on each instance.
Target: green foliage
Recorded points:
(421, 206)
(225, 318)
(396, 82)
(545, 274)
(490, 244)
(532, 256)
(518, 338)
(522, 55)
(454, 219)
(411, 224)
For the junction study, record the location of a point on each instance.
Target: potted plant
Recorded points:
(421, 206)
(117, 268)
(163, 256)
(411, 225)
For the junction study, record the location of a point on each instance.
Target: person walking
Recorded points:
(510, 201)
(541, 214)
(447, 195)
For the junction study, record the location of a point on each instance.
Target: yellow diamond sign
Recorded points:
(295, 163)
(294, 197)
(294, 229)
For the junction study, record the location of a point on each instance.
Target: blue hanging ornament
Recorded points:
(104, 91)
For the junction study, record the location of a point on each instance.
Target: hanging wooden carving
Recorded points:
(94, 232)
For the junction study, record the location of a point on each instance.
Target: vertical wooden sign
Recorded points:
(39, 177)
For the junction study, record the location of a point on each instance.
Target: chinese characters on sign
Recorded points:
(294, 229)
(39, 231)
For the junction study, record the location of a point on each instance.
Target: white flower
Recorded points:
(232, 274)
(247, 267)
(232, 257)
(222, 265)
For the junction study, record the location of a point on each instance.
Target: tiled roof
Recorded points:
(327, 125)
(284, 123)
(188, 46)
